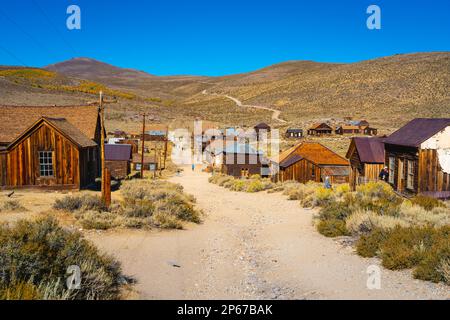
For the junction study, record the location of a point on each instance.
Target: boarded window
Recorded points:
(46, 163)
(410, 175)
(391, 169)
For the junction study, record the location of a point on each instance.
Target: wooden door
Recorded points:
(400, 175)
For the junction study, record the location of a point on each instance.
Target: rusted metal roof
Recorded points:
(370, 150)
(117, 152)
(417, 131)
(335, 171)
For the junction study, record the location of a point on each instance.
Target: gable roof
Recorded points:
(417, 131)
(314, 152)
(118, 152)
(262, 125)
(16, 119)
(64, 127)
(370, 150)
(320, 126)
(289, 161)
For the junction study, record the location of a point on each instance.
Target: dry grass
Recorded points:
(144, 204)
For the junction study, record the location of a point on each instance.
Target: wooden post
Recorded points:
(156, 163)
(102, 143)
(107, 193)
(143, 146)
(165, 146)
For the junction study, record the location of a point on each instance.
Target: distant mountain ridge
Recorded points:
(88, 68)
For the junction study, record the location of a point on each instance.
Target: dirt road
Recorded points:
(275, 113)
(251, 246)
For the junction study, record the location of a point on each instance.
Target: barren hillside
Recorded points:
(387, 92)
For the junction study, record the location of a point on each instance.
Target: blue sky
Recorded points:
(217, 37)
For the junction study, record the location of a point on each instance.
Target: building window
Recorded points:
(410, 175)
(313, 171)
(391, 170)
(46, 163)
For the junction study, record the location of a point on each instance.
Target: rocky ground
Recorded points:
(251, 246)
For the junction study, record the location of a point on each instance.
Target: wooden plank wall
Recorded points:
(23, 160)
(301, 171)
(2, 168)
(430, 174)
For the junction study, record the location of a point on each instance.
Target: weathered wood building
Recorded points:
(418, 157)
(320, 129)
(118, 160)
(311, 161)
(54, 147)
(366, 156)
(236, 159)
(293, 133)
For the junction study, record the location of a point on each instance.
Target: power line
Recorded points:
(39, 44)
(13, 56)
(55, 28)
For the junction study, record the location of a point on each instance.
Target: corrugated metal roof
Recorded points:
(335, 171)
(417, 131)
(370, 150)
(117, 152)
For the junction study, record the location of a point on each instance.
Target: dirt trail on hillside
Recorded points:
(250, 246)
(275, 113)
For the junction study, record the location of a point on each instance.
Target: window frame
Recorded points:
(46, 164)
(391, 170)
(410, 174)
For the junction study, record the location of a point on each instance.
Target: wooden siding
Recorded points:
(118, 169)
(234, 165)
(301, 171)
(304, 171)
(2, 168)
(72, 167)
(430, 175)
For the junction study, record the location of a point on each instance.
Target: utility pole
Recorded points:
(143, 145)
(165, 146)
(102, 143)
(104, 187)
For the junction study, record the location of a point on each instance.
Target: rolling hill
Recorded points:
(387, 92)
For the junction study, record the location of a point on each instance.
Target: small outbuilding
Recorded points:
(320, 129)
(366, 156)
(311, 161)
(118, 160)
(294, 133)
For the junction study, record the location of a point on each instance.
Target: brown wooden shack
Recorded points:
(311, 161)
(118, 160)
(366, 156)
(418, 157)
(320, 129)
(49, 146)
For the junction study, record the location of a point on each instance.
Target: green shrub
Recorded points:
(166, 221)
(406, 247)
(332, 228)
(39, 252)
(255, 186)
(12, 205)
(79, 202)
(427, 203)
(334, 211)
(369, 245)
(434, 265)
